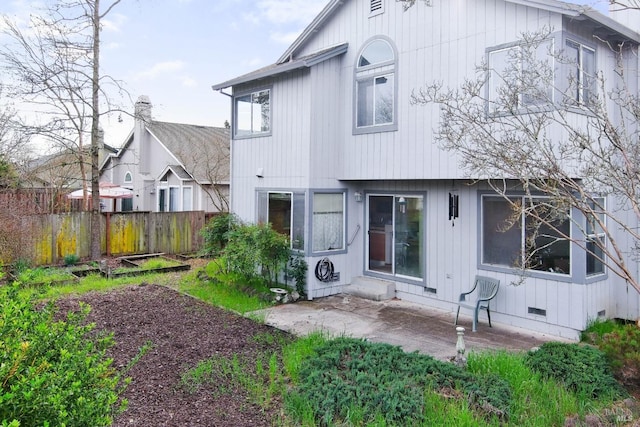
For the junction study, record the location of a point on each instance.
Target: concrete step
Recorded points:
(371, 288)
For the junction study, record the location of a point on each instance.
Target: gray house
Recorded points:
(171, 166)
(327, 146)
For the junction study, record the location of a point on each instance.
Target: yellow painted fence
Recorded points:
(52, 237)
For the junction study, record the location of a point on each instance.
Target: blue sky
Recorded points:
(174, 50)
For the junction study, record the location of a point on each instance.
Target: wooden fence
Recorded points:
(47, 239)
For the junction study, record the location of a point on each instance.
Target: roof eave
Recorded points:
(311, 29)
(286, 67)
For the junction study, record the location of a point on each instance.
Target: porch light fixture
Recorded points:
(403, 205)
(357, 196)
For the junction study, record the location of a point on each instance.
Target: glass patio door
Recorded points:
(395, 235)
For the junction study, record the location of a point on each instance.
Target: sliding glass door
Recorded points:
(395, 232)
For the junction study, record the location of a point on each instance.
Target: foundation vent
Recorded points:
(537, 311)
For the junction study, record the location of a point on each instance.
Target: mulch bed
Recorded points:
(182, 331)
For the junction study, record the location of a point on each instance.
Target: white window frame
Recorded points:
(263, 129)
(187, 205)
(578, 71)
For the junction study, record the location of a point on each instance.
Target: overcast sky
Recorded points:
(174, 50)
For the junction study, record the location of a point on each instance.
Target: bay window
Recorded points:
(536, 239)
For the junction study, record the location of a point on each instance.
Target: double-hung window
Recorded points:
(252, 113)
(375, 88)
(581, 66)
(537, 239)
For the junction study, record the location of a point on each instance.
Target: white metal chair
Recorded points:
(487, 289)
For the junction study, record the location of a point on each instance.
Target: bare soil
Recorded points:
(182, 332)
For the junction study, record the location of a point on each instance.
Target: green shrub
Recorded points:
(297, 270)
(257, 248)
(71, 259)
(216, 233)
(381, 381)
(53, 372)
(621, 344)
(581, 368)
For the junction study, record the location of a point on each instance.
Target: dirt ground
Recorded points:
(182, 331)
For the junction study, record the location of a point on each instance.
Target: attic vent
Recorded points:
(376, 7)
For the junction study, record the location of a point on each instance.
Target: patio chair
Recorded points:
(487, 289)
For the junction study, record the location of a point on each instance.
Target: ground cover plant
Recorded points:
(206, 365)
(53, 372)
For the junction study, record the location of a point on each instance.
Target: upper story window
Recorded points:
(252, 113)
(521, 76)
(532, 73)
(581, 72)
(375, 88)
(128, 178)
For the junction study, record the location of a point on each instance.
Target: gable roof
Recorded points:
(203, 151)
(567, 9)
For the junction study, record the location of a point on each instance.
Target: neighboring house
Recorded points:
(171, 166)
(328, 148)
(46, 180)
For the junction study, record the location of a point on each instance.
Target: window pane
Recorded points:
(384, 99)
(328, 221)
(174, 200)
(500, 63)
(547, 248)
(538, 75)
(588, 75)
(253, 113)
(501, 233)
(297, 237)
(572, 54)
(595, 256)
(186, 199)
(408, 243)
(377, 52)
(127, 205)
(365, 103)
(280, 212)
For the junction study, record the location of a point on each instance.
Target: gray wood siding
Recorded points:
(284, 156)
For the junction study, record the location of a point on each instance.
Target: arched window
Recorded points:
(375, 87)
(128, 179)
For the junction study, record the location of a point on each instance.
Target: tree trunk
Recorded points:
(96, 251)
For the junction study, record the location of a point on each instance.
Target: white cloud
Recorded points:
(113, 22)
(160, 69)
(289, 11)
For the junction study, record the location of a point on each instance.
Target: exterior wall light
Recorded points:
(357, 196)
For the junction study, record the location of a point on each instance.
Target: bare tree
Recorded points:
(574, 142)
(54, 68)
(209, 160)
